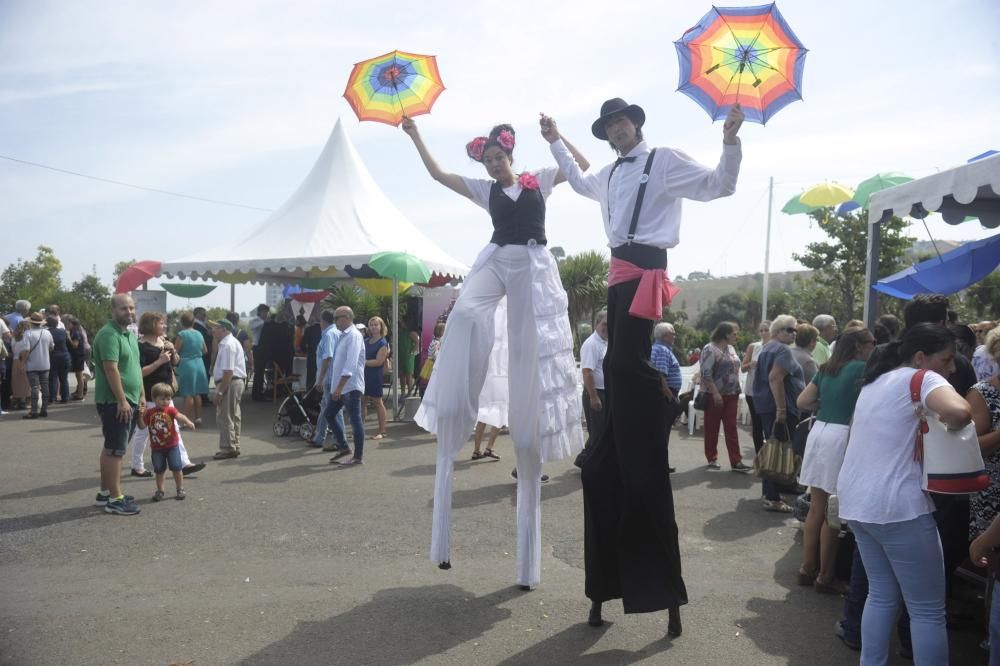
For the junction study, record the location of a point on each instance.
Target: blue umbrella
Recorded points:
(947, 274)
(847, 207)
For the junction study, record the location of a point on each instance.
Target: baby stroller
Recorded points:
(298, 413)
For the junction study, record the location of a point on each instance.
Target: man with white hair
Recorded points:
(592, 353)
(827, 327)
(662, 357)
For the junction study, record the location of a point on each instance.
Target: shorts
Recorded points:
(116, 433)
(164, 458)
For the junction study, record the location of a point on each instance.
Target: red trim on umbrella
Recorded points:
(136, 275)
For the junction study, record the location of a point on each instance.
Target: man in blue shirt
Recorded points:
(662, 357)
(325, 352)
(347, 386)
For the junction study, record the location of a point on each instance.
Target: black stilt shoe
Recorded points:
(594, 619)
(674, 627)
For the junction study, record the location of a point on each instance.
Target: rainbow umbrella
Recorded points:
(393, 85)
(826, 194)
(741, 54)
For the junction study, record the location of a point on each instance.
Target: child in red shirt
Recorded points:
(163, 438)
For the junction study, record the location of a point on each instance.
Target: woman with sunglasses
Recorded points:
(777, 383)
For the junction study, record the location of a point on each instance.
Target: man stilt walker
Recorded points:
(630, 533)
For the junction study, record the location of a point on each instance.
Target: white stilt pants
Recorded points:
(451, 402)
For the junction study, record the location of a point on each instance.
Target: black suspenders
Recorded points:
(639, 196)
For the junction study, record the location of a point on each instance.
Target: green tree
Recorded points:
(839, 263)
(91, 288)
(731, 306)
(35, 280)
(585, 278)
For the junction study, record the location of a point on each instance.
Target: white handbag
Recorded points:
(952, 460)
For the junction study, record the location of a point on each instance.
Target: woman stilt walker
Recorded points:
(544, 409)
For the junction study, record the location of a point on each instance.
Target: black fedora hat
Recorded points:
(613, 106)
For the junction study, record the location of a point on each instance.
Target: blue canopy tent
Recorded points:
(967, 191)
(946, 274)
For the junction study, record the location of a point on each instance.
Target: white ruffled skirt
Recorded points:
(543, 387)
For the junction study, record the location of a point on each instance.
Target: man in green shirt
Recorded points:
(827, 327)
(118, 394)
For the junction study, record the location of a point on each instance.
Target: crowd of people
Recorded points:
(843, 399)
(39, 352)
(842, 396)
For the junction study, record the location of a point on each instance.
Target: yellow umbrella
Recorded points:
(381, 286)
(826, 194)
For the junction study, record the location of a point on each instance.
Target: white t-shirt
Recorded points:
(592, 353)
(39, 342)
(880, 481)
(480, 188)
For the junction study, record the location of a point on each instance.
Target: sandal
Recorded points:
(807, 578)
(380, 435)
(777, 506)
(833, 586)
(488, 453)
(476, 455)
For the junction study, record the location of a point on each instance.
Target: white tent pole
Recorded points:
(395, 349)
(767, 249)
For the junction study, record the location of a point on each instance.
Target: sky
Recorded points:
(233, 101)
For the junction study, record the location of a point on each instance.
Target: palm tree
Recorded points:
(585, 279)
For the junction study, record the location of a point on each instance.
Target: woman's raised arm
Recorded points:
(452, 181)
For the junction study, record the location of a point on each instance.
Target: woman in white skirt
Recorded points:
(544, 409)
(834, 389)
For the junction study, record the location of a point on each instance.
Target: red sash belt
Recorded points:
(655, 288)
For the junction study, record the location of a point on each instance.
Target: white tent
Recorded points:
(969, 190)
(338, 217)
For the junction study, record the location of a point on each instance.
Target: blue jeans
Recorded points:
(322, 429)
(903, 558)
(854, 606)
(351, 403)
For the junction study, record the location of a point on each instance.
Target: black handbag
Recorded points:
(702, 401)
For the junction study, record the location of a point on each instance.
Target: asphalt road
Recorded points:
(281, 558)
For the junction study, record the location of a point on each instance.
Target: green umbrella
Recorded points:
(399, 266)
(188, 290)
(880, 181)
(795, 207)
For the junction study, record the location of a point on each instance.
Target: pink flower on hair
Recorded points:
(528, 181)
(506, 140)
(475, 148)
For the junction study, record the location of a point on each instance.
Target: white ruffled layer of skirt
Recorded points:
(544, 393)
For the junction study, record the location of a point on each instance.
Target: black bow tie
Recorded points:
(624, 159)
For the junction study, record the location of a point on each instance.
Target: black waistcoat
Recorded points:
(517, 222)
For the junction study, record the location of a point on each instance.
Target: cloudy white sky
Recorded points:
(234, 100)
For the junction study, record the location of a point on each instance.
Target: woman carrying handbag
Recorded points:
(880, 489)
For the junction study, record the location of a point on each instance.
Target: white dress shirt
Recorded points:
(230, 357)
(674, 176)
(349, 361)
(592, 353)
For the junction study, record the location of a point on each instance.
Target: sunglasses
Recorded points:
(789, 330)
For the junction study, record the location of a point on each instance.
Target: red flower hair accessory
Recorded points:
(475, 148)
(506, 140)
(528, 181)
